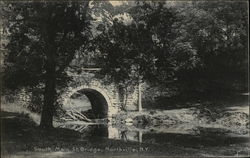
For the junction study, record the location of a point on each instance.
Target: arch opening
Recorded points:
(90, 102)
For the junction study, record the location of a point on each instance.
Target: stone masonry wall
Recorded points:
(87, 80)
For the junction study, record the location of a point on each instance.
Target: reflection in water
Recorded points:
(206, 137)
(115, 133)
(99, 130)
(105, 131)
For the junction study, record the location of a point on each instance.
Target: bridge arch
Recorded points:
(99, 99)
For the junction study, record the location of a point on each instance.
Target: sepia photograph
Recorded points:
(128, 78)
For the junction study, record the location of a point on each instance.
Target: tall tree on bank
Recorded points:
(43, 39)
(149, 48)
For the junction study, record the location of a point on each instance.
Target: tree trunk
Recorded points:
(49, 99)
(49, 93)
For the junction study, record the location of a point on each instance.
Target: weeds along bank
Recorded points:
(186, 120)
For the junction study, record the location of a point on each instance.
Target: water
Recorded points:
(187, 130)
(207, 141)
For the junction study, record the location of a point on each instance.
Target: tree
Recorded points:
(194, 46)
(43, 39)
(147, 49)
(150, 44)
(218, 32)
(118, 56)
(173, 52)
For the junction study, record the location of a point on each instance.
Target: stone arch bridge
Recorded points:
(105, 98)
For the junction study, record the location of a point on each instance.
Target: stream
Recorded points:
(207, 140)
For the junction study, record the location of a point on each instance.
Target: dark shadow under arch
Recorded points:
(98, 102)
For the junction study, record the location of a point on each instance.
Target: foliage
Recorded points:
(43, 39)
(218, 32)
(147, 49)
(195, 47)
(32, 27)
